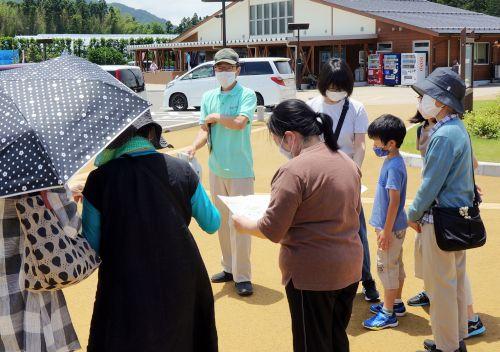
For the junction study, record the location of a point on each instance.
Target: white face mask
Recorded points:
(287, 154)
(226, 79)
(336, 96)
(428, 108)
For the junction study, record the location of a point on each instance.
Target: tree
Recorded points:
(169, 27)
(105, 56)
(490, 7)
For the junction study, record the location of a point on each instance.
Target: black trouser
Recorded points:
(320, 318)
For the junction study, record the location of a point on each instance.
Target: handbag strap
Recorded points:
(345, 108)
(477, 197)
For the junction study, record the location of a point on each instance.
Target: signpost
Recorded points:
(298, 60)
(223, 16)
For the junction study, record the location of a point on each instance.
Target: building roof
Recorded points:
(286, 39)
(438, 18)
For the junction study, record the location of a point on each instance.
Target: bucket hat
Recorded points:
(144, 120)
(445, 86)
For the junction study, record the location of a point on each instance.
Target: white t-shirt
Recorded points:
(356, 120)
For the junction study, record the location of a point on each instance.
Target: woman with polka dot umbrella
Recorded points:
(55, 116)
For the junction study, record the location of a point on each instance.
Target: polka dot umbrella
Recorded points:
(55, 116)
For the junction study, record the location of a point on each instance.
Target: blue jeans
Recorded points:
(367, 275)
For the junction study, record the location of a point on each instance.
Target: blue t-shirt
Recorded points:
(392, 176)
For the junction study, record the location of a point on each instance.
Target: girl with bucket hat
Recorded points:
(447, 180)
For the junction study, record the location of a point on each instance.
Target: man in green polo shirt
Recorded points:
(226, 118)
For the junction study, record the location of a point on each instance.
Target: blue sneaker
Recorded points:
(399, 308)
(381, 321)
(476, 327)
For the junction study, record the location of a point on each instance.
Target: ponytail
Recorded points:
(295, 115)
(326, 126)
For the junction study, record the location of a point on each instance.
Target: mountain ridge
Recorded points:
(142, 16)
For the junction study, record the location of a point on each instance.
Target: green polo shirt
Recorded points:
(231, 155)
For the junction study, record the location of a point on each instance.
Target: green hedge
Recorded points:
(484, 121)
(33, 50)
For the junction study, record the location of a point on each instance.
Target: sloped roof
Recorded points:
(424, 14)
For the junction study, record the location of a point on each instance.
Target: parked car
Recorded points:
(12, 66)
(131, 76)
(271, 78)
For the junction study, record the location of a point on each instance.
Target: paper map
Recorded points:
(254, 206)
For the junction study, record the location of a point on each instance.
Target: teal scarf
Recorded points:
(134, 145)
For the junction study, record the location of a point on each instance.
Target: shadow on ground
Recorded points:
(263, 296)
(411, 324)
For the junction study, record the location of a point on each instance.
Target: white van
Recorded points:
(271, 78)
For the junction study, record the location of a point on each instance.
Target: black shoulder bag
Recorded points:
(458, 229)
(345, 108)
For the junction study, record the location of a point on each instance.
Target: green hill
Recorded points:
(141, 16)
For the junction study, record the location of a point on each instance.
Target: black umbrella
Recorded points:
(55, 116)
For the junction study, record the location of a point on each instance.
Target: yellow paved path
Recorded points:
(261, 322)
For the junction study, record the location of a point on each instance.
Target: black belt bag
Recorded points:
(458, 229)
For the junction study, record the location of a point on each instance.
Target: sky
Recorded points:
(174, 10)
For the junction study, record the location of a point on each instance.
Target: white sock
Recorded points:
(398, 301)
(475, 318)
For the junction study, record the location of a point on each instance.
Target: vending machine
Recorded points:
(392, 69)
(376, 68)
(413, 68)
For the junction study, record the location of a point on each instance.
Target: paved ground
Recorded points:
(374, 96)
(261, 323)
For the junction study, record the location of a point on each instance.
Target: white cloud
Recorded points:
(174, 10)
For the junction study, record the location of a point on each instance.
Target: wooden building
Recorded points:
(339, 28)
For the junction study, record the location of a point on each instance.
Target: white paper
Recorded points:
(252, 207)
(195, 165)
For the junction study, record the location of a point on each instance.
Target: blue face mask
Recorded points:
(380, 152)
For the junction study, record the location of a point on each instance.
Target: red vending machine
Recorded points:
(376, 68)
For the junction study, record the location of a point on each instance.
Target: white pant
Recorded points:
(235, 247)
(419, 269)
(444, 281)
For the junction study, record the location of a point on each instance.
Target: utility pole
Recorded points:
(223, 17)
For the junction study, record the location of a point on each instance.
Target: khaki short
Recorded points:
(390, 265)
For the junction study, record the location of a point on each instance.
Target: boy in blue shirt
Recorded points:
(389, 220)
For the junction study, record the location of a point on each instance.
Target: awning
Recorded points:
(249, 42)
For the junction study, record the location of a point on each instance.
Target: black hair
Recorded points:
(388, 128)
(336, 73)
(418, 118)
(295, 115)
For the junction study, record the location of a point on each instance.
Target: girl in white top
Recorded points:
(335, 84)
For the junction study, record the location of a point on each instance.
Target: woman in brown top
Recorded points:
(314, 215)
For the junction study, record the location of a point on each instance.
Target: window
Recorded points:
(130, 79)
(384, 47)
(253, 68)
(481, 53)
(271, 18)
(283, 67)
(201, 72)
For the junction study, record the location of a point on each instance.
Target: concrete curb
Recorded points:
(180, 126)
(484, 168)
